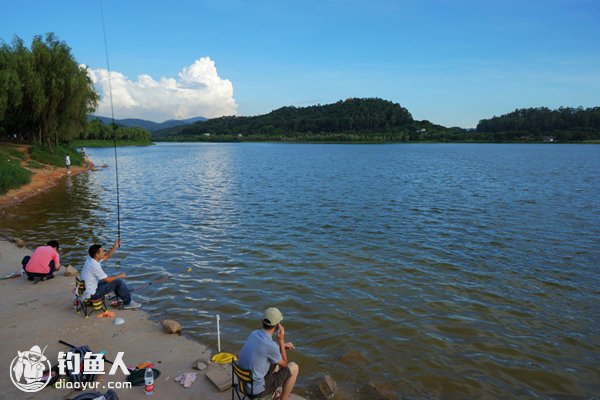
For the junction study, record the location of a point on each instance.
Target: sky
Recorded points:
(450, 62)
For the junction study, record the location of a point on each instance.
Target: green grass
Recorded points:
(56, 157)
(34, 165)
(12, 152)
(109, 143)
(12, 175)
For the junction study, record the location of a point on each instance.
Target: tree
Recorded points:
(52, 94)
(565, 123)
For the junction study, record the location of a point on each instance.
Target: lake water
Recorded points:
(448, 270)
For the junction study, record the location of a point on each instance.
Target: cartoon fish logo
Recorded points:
(27, 370)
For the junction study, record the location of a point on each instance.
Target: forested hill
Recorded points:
(348, 120)
(377, 120)
(565, 124)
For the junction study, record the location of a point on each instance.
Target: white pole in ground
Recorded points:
(218, 334)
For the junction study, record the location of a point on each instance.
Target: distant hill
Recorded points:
(149, 125)
(350, 120)
(374, 120)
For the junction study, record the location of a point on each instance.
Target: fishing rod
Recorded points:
(10, 276)
(164, 278)
(114, 125)
(74, 347)
(116, 302)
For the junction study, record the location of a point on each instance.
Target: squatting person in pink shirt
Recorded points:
(43, 262)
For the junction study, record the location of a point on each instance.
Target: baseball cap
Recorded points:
(272, 316)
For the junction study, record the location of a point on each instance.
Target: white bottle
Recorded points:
(149, 381)
(75, 299)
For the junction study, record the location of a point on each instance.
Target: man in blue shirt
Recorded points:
(267, 359)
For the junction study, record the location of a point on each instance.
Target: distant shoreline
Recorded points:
(109, 143)
(370, 142)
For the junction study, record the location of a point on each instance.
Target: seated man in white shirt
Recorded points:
(97, 283)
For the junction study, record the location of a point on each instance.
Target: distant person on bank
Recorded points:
(268, 360)
(43, 262)
(97, 283)
(68, 162)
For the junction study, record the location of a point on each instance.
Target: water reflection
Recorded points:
(67, 212)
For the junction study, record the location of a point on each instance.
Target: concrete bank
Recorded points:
(42, 314)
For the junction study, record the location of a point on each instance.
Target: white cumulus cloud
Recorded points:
(197, 91)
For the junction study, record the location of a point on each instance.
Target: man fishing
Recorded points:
(267, 360)
(98, 284)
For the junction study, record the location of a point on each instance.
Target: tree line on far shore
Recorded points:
(377, 120)
(97, 130)
(564, 124)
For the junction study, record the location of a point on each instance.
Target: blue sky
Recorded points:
(451, 62)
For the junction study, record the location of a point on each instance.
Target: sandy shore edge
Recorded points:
(42, 180)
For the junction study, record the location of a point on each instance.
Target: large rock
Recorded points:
(205, 357)
(171, 326)
(200, 364)
(71, 271)
(19, 243)
(328, 387)
(383, 390)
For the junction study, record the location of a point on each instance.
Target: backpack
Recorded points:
(110, 395)
(81, 377)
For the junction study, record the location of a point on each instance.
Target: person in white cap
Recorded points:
(267, 359)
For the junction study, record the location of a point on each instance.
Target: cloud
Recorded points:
(197, 91)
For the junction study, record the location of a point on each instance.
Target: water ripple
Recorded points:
(459, 271)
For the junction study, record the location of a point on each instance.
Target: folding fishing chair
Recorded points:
(88, 306)
(239, 378)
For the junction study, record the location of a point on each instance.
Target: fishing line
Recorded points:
(115, 302)
(348, 333)
(152, 283)
(114, 126)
